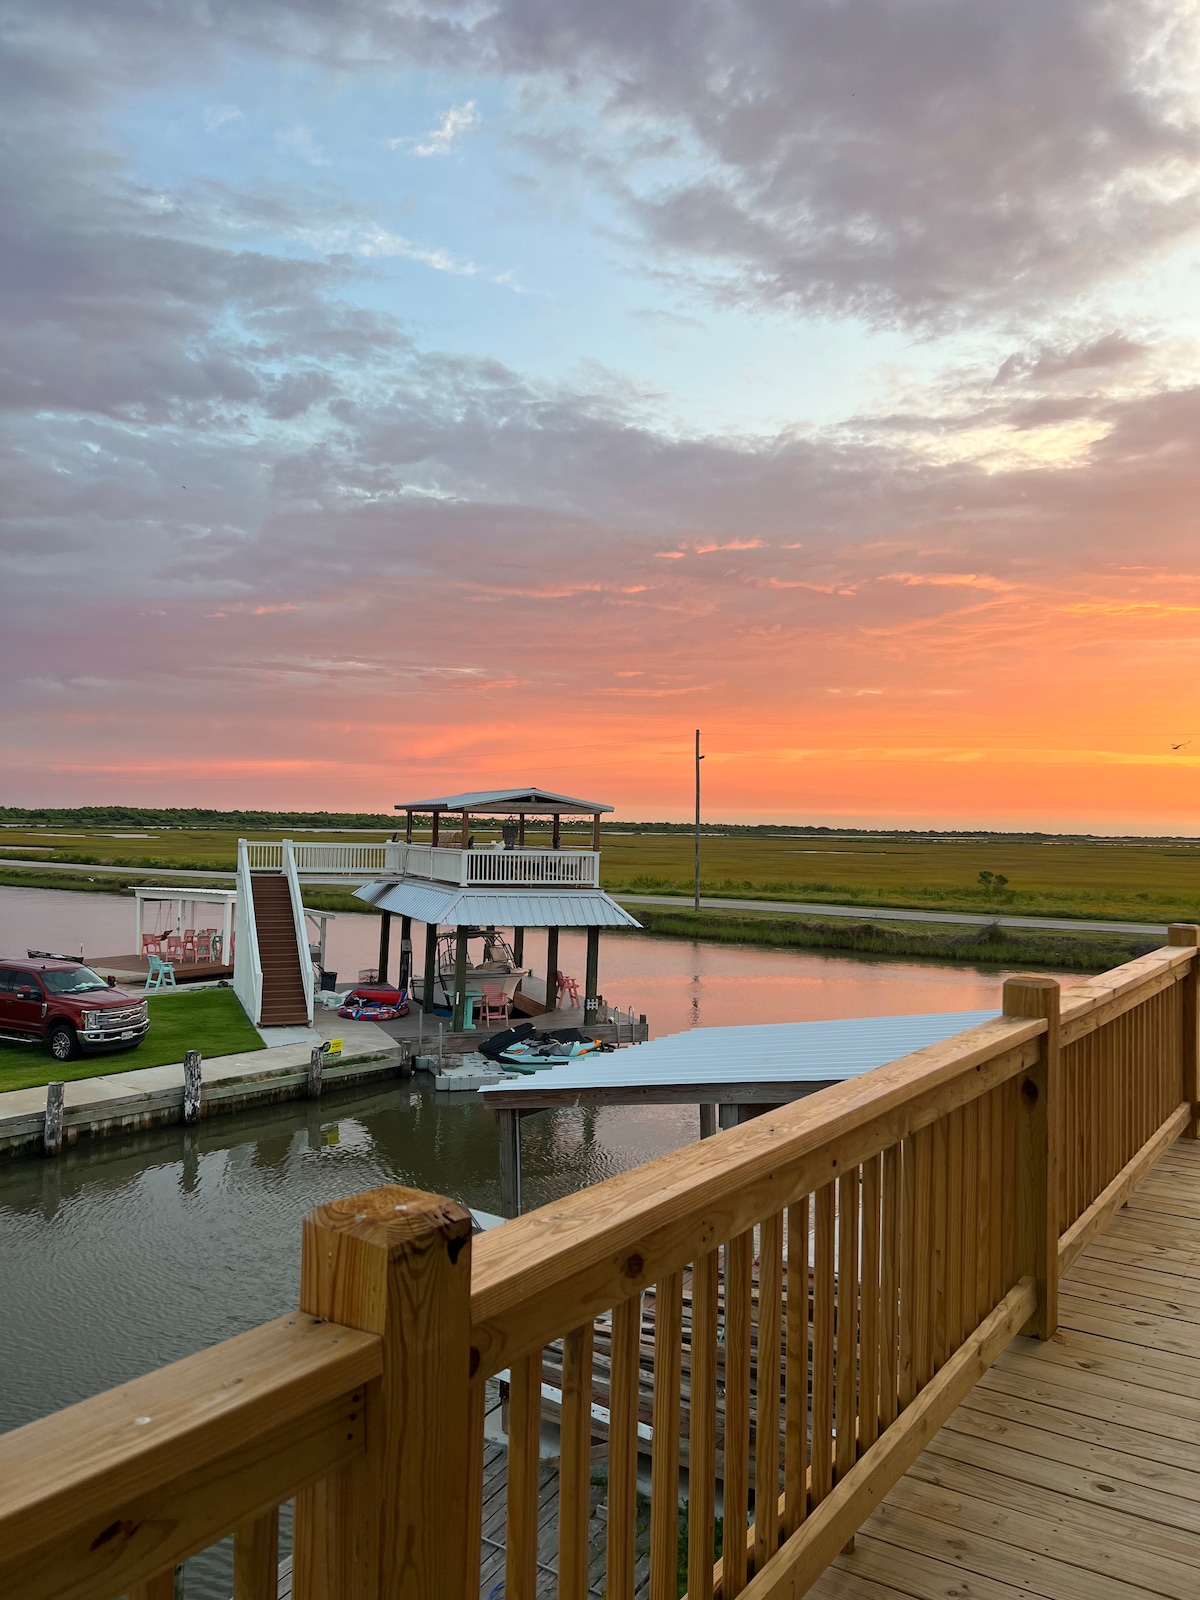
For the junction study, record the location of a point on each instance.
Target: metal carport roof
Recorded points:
(452, 907)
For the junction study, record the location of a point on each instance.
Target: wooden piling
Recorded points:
(56, 1096)
(191, 1086)
(316, 1072)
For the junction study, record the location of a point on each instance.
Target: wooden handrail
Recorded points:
(938, 1199)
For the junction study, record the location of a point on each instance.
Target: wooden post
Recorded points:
(405, 952)
(408, 827)
(551, 969)
(385, 940)
(397, 1263)
(1041, 1148)
(430, 988)
(521, 831)
(191, 1086)
(519, 946)
(465, 835)
(556, 833)
(708, 1121)
(459, 1020)
(596, 833)
(434, 828)
(316, 1072)
(510, 1163)
(1188, 933)
(52, 1135)
(591, 983)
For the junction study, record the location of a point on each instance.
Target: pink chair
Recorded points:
(174, 947)
(495, 1006)
(570, 988)
(204, 946)
(152, 944)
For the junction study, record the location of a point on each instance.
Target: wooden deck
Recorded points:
(1073, 1470)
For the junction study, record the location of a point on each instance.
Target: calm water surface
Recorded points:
(127, 1254)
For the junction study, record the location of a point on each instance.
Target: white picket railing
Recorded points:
(262, 855)
(574, 869)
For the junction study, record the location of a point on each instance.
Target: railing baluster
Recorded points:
(476, 1418)
(256, 1558)
(868, 1409)
(955, 1194)
(739, 1265)
(664, 1482)
(923, 1271)
(889, 1288)
(822, 1360)
(909, 1258)
(622, 1449)
(766, 1411)
(524, 1465)
(574, 1488)
(939, 1213)
(795, 1455)
(845, 1389)
(702, 1424)
(160, 1587)
(969, 1313)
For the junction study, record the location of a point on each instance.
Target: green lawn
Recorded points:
(209, 1020)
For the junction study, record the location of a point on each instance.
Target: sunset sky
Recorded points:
(404, 397)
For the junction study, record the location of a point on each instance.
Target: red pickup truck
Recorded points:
(69, 1006)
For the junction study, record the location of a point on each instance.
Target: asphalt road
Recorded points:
(1151, 930)
(891, 914)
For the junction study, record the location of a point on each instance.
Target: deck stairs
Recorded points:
(283, 998)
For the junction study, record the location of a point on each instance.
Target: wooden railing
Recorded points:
(803, 1300)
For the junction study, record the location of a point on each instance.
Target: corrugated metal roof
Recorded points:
(530, 799)
(777, 1052)
(491, 908)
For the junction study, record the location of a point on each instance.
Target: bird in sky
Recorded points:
(1181, 746)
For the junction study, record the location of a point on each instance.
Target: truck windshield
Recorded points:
(80, 980)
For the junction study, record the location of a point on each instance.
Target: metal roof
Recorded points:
(501, 801)
(764, 1053)
(452, 907)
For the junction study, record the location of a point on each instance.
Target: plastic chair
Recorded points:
(570, 988)
(152, 944)
(204, 946)
(174, 947)
(495, 1006)
(162, 975)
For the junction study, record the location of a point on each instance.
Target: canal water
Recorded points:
(127, 1254)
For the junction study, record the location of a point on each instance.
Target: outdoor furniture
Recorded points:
(471, 1009)
(204, 946)
(570, 988)
(152, 944)
(495, 1006)
(162, 975)
(174, 947)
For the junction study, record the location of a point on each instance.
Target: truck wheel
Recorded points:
(64, 1046)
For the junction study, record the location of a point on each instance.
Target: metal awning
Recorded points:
(766, 1062)
(452, 907)
(500, 802)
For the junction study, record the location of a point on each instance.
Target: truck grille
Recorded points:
(118, 1021)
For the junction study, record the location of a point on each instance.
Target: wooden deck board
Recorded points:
(1073, 1471)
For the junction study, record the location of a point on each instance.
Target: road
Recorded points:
(1150, 930)
(891, 914)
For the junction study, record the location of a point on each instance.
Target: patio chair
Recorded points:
(162, 975)
(152, 944)
(204, 946)
(174, 947)
(570, 988)
(495, 1006)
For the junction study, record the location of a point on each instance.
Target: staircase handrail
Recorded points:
(302, 950)
(247, 945)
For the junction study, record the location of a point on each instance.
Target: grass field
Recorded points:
(209, 1020)
(1131, 880)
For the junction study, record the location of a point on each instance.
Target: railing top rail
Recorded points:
(560, 1265)
(1092, 1002)
(75, 1466)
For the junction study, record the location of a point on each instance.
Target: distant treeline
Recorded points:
(198, 817)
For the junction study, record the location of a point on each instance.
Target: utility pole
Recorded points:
(699, 759)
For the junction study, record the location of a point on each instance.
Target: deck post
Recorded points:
(405, 952)
(429, 990)
(556, 833)
(316, 1072)
(226, 934)
(1188, 933)
(395, 1524)
(519, 946)
(521, 831)
(510, 1163)
(591, 1008)
(140, 925)
(385, 940)
(459, 1020)
(408, 827)
(434, 831)
(1041, 1136)
(708, 1119)
(551, 969)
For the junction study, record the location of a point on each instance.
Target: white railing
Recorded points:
(247, 965)
(576, 869)
(302, 950)
(351, 859)
(262, 855)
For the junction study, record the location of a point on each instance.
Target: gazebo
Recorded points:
(453, 882)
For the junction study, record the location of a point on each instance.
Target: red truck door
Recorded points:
(21, 1000)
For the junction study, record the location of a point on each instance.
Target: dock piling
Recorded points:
(191, 1086)
(316, 1063)
(56, 1096)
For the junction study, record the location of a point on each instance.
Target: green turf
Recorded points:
(209, 1020)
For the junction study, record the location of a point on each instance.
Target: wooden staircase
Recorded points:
(283, 1003)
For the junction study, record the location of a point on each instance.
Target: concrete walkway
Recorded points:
(123, 1101)
(969, 919)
